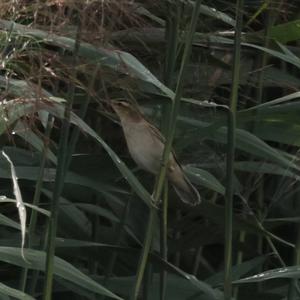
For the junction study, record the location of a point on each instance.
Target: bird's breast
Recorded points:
(145, 147)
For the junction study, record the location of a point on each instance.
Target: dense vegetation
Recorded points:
(225, 75)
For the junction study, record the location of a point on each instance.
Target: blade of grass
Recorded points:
(231, 153)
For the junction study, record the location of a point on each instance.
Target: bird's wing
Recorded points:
(159, 135)
(157, 132)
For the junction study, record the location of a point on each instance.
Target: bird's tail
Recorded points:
(184, 189)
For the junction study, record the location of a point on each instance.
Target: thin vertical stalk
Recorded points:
(260, 200)
(59, 181)
(177, 237)
(92, 263)
(166, 154)
(81, 114)
(148, 280)
(239, 260)
(119, 231)
(270, 20)
(176, 102)
(163, 242)
(172, 34)
(36, 197)
(293, 293)
(229, 207)
(36, 273)
(145, 252)
(172, 28)
(43, 240)
(231, 154)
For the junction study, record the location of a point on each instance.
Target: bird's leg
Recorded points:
(155, 203)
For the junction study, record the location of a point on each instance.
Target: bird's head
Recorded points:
(126, 111)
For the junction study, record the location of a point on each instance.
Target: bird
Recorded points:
(146, 145)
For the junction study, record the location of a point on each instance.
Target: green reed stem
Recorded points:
(148, 280)
(81, 114)
(239, 260)
(176, 102)
(172, 39)
(164, 241)
(229, 208)
(145, 253)
(172, 32)
(36, 273)
(36, 197)
(53, 225)
(293, 292)
(114, 255)
(166, 154)
(59, 181)
(231, 154)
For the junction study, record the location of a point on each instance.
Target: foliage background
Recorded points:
(82, 54)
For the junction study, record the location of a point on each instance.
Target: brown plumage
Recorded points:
(146, 144)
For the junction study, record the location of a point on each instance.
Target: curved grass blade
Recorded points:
(177, 288)
(5, 221)
(45, 212)
(205, 179)
(72, 217)
(287, 272)
(245, 141)
(23, 131)
(11, 292)
(36, 260)
(281, 100)
(292, 59)
(19, 201)
(237, 270)
(217, 14)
